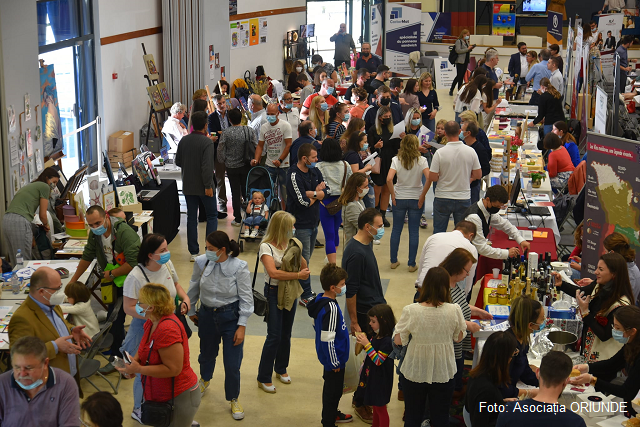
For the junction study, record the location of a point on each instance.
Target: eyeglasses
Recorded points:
(466, 271)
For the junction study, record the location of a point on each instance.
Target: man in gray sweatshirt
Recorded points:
(195, 157)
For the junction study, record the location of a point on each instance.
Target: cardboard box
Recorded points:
(121, 141)
(135, 208)
(121, 157)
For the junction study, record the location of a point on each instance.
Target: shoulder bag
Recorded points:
(158, 414)
(178, 312)
(335, 206)
(260, 303)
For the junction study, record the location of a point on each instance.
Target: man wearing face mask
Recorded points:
(343, 42)
(288, 112)
(305, 189)
(35, 393)
(367, 60)
(327, 90)
(40, 316)
(112, 242)
(361, 81)
(383, 74)
(308, 132)
(258, 114)
(384, 98)
(484, 215)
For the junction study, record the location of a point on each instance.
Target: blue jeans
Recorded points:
(211, 208)
(307, 237)
(215, 325)
(130, 345)
(402, 208)
(253, 221)
(475, 193)
(330, 226)
(277, 346)
(442, 210)
(370, 199)
(431, 125)
(548, 129)
(279, 177)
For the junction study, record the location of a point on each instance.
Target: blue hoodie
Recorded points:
(332, 336)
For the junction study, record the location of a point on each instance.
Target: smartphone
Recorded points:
(127, 357)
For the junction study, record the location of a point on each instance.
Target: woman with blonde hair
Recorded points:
(356, 125)
(277, 346)
(463, 49)
(407, 196)
(163, 356)
(428, 99)
(379, 139)
(351, 199)
(319, 115)
(532, 58)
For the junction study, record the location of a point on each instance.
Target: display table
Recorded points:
(166, 208)
(341, 89)
(500, 239)
(545, 185)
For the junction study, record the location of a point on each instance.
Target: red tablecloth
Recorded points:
(342, 90)
(501, 240)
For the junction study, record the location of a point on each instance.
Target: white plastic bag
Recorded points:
(353, 367)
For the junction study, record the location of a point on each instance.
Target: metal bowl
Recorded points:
(562, 340)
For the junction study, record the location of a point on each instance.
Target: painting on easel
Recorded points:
(166, 99)
(52, 135)
(155, 97)
(150, 64)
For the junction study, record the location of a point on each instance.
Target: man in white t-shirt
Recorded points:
(276, 136)
(453, 167)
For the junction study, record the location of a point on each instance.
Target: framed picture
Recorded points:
(150, 64)
(155, 98)
(109, 201)
(127, 195)
(166, 99)
(11, 117)
(95, 192)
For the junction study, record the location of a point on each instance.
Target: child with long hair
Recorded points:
(376, 378)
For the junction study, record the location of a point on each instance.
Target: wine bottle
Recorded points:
(506, 271)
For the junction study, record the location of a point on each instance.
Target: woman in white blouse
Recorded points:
(429, 366)
(470, 96)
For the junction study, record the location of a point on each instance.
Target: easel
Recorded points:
(153, 113)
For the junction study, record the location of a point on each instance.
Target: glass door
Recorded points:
(327, 17)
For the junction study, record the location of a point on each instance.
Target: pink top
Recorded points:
(559, 161)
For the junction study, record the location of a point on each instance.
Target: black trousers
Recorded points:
(338, 63)
(363, 322)
(461, 69)
(117, 330)
(237, 182)
(422, 397)
(331, 394)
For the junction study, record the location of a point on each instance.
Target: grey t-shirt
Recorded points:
(344, 44)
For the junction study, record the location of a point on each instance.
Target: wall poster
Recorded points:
(52, 134)
(504, 20)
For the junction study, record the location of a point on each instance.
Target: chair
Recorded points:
(420, 63)
(88, 365)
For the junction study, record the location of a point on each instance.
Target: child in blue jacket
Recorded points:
(332, 341)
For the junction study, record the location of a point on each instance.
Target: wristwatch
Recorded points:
(110, 273)
(315, 194)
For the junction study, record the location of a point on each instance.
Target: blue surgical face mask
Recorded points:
(343, 291)
(212, 256)
(271, 118)
(164, 258)
(617, 335)
(288, 106)
(329, 90)
(100, 230)
(415, 122)
(365, 146)
(141, 311)
(312, 165)
(542, 325)
(346, 117)
(461, 136)
(324, 106)
(31, 386)
(379, 234)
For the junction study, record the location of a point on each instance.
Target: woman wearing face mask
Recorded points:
(463, 49)
(428, 98)
(338, 117)
(379, 139)
(277, 346)
(354, 126)
(549, 106)
(319, 115)
(293, 85)
(355, 190)
(154, 266)
(319, 75)
(526, 316)
(359, 97)
(598, 301)
(626, 326)
(163, 356)
(357, 147)
(17, 225)
(222, 283)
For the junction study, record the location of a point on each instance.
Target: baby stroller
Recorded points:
(259, 179)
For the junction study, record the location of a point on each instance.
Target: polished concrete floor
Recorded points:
(300, 402)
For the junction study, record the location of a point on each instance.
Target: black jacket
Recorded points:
(549, 109)
(514, 65)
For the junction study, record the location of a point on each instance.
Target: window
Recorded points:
(66, 40)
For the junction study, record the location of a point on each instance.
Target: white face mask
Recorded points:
(364, 192)
(55, 298)
(299, 69)
(353, 100)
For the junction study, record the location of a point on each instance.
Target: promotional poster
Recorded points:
(402, 35)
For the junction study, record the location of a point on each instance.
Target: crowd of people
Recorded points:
(315, 156)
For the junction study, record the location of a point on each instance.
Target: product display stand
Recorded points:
(153, 113)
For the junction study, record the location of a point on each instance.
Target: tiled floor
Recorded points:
(300, 402)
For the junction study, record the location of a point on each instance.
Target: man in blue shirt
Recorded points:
(491, 61)
(624, 61)
(307, 130)
(538, 72)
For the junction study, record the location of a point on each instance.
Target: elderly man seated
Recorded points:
(34, 393)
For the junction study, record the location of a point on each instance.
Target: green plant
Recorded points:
(535, 176)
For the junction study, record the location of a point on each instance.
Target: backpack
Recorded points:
(453, 54)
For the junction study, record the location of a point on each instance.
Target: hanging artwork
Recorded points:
(23, 181)
(23, 168)
(127, 195)
(166, 99)
(27, 108)
(109, 201)
(52, 132)
(15, 154)
(155, 97)
(95, 192)
(32, 170)
(150, 64)
(39, 163)
(15, 185)
(11, 118)
(29, 143)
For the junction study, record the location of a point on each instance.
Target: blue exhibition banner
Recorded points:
(435, 25)
(402, 35)
(554, 28)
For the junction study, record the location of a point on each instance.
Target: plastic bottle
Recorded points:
(19, 259)
(529, 189)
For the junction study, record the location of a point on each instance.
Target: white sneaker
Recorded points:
(376, 242)
(193, 257)
(246, 233)
(254, 234)
(236, 410)
(235, 224)
(136, 414)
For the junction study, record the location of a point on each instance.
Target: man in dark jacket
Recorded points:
(305, 190)
(470, 132)
(218, 122)
(195, 157)
(518, 63)
(383, 98)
